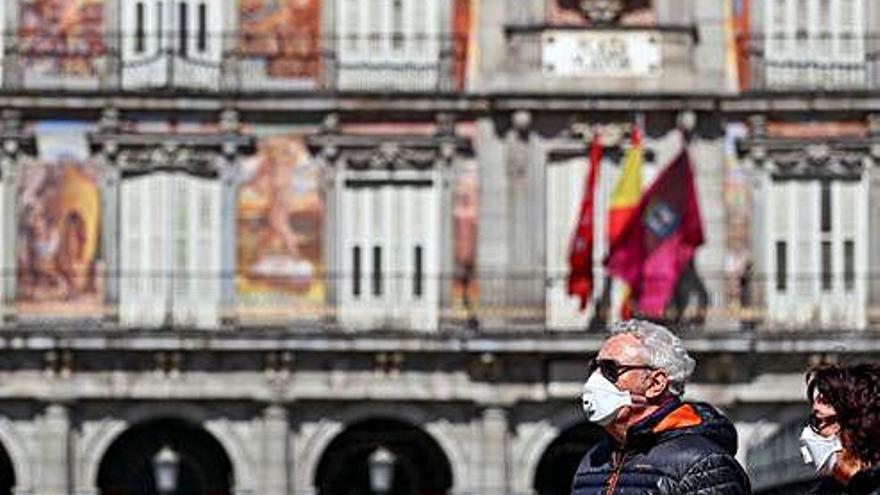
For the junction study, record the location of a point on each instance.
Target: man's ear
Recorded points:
(658, 384)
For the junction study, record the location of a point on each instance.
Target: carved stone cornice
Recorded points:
(382, 152)
(798, 158)
(195, 153)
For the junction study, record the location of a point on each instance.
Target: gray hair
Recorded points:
(661, 349)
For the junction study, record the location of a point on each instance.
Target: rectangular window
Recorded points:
(356, 271)
(825, 202)
(203, 28)
(183, 25)
(397, 24)
(849, 265)
(139, 46)
(781, 266)
(826, 265)
(377, 271)
(159, 32)
(417, 272)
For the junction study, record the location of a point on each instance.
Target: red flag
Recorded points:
(661, 238)
(580, 253)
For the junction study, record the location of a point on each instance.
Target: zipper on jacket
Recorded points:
(617, 459)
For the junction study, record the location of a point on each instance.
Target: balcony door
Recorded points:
(816, 252)
(391, 44)
(815, 43)
(389, 255)
(170, 251)
(171, 43)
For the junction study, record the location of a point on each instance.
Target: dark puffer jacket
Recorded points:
(683, 448)
(865, 482)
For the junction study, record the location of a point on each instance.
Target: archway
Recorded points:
(560, 461)
(420, 465)
(7, 473)
(127, 467)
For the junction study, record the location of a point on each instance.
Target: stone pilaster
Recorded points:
(275, 451)
(495, 458)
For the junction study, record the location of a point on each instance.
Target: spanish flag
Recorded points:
(624, 202)
(628, 189)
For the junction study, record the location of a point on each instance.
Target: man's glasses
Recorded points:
(611, 369)
(818, 424)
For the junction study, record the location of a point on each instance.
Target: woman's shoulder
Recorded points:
(865, 482)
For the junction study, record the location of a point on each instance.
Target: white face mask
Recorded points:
(602, 399)
(819, 450)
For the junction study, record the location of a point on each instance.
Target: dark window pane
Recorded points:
(826, 206)
(849, 265)
(781, 266)
(826, 265)
(183, 25)
(356, 271)
(377, 271)
(417, 272)
(203, 27)
(139, 46)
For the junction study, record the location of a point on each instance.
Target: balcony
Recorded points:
(522, 303)
(818, 62)
(240, 63)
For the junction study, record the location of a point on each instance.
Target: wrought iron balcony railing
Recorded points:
(241, 63)
(809, 62)
(421, 302)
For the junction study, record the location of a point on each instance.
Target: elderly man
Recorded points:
(656, 443)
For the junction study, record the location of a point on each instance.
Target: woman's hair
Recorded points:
(854, 393)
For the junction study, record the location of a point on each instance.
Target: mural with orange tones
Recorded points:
(62, 37)
(464, 217)
(59, 204)
(280, 226)
(282, 34)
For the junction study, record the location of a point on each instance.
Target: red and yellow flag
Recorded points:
(624, 202)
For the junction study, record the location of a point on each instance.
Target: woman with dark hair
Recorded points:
(842, 439)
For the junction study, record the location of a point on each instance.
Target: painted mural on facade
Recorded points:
(465, 215)
(62, 37)
(284, 35)
(280, 224)
(58, 242)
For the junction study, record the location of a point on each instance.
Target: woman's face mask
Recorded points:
(819, 450)
(602, 399)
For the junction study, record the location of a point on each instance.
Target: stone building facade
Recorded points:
(277, 236)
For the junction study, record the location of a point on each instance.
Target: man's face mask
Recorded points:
(602, 399)
(820, 451)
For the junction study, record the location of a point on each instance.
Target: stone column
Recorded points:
(53, 450)
(10, 162)
(495, 459)
(228, 176)
(332, 190)
(446, 174)
(492, 230)
(275, 451)
(110, 181)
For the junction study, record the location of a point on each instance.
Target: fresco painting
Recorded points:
(59, 228)
(280, 227)
(464, 214)
(284, 35)
(62, 37)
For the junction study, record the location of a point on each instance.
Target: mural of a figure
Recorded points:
(280, 224)
(465, 231)
(285, 34)
(62, 37)
(58, 237)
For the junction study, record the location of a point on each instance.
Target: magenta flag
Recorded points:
(660, 238)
